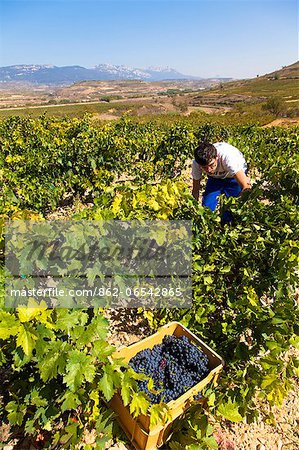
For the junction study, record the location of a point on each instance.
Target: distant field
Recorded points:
(144, 113)
(234, 102)
(284, 88)
(74, 110)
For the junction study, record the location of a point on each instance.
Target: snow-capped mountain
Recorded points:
(122, 71)
(49, 74)
(44, 74)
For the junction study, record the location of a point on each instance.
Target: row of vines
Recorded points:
(55, 372)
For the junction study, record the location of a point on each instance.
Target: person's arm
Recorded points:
(243, 181)
(195, 189)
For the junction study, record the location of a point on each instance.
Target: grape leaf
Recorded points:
(101, 349)
(26, 338)
(9, 325)
(80, 367)
(97, 329)
(2, 358)
(268, 380)
(54, 361)
(67, 320)
(159, 414)
(16, 413)
(71, 401)
(230, 411)
(109, 382)
(31, 311)
(139, 404)
(210, 442)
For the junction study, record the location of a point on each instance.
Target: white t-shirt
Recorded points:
(230, 161)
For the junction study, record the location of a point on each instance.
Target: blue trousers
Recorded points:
(215, 187)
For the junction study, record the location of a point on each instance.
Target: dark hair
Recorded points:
(204, 153)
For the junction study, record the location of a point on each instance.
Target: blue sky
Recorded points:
(238, 38)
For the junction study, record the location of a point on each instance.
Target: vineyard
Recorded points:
(56, 370)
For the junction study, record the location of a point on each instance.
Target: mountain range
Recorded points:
(48, 74)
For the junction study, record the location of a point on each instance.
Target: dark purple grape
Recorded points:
(175, 366)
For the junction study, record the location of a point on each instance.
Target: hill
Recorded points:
(286, 72)
(282, 85)
(262, 99)
(13, 94)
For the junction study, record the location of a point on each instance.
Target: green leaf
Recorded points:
(230, 411)
(9, 325)
(31, 311)
(128, 384)
(54, 362)
(150, 384)
(16, 413)
(267, 363)
(2, 358)
(92, 273)
(194, 447)
(71, 401)
(159, 234)
(70, 434)
(104, 423)
(139, 404)
(97, 329)
(94, 395)
(211, 399)
(158, 414)
(48, 426)
(210, 442)
(106, 386)
(208, 280)
(101, 442)
(80, 367)
(66, 320)
(268, 380)
(272, 345)
(15, 417)
(30, 426)
(101, 349)
(294, 340)
(26, 338)
(12, 406)
(225, 269)
(125, 393)
(36, 399)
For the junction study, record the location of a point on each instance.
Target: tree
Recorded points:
(274, 105)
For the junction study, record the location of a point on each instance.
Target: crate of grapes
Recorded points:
(180, 364)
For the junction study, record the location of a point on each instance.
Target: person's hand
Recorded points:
(244, 194)
(247, 189)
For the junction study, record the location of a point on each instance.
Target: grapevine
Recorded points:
(55, 365)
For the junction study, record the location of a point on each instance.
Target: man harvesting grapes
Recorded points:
(226, 168)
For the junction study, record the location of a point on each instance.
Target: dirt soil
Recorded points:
(263, 436)
(284, 122)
